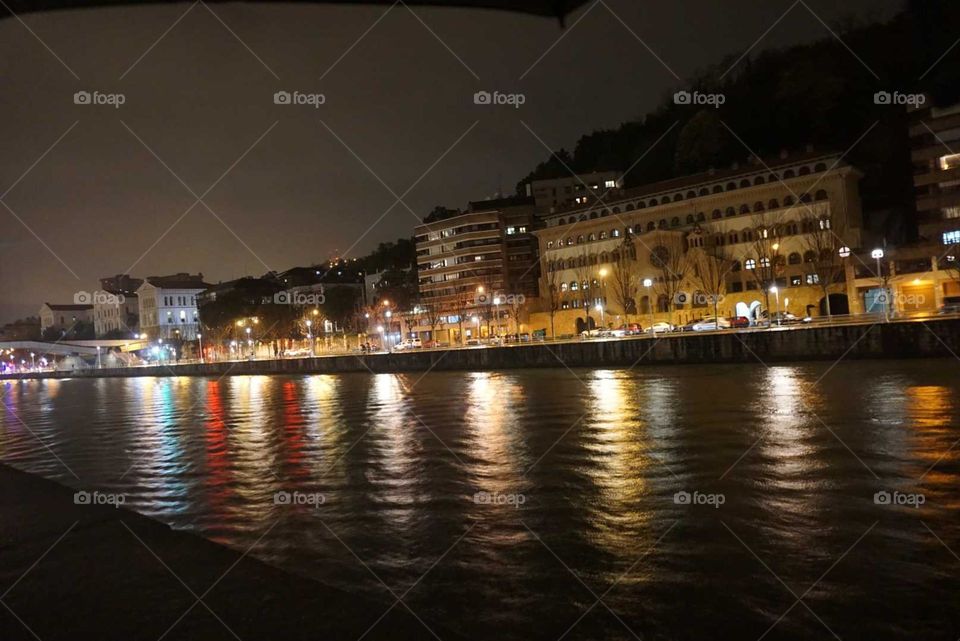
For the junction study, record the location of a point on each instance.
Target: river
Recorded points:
(684, 502)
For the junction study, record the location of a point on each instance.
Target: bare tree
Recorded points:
(821, 255)
(669, 257)
(432, 314)
(554, 297)
(712, 265)
(765, 262)
(583, 271)
(626, 278)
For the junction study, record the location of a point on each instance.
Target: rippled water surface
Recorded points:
(584, 536)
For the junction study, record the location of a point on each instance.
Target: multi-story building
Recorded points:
(469, 261)
(66, 318)
(116, 308)
(776, 229)
(934, 143)
(553, 194)
(168, 306)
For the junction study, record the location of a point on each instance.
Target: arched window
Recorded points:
(820, 167)
(700, 217)
(651, 226)
(593, 215)
(772, 178)
(735, 267)
(764, 262)
(747, 235)
(820, 195)
(758, 180)
(641, 205)
(616, 210)
(744, 209)
(675, 221)
(615, 233)
(733, 238)
(582, 217)
(549, 244)
(744, 183)
(730, 211)
(773, 204)
(788, 201)
(629, 207)
(805, 198)
(563, 287)
(592, 237)
(603, 235)
(794, 258)
(717, 189)
(585, 285)
(758, 206)
(689, 219)
(788, 174)
(663, 303)
(715, 214)
(691, 194)
(731, 186)
(809, 256)
(574, 286)
(677, 198)
(804, 170)
(653, 202)
(637, 229)
(569, 241)
(605, 212)
(579, 239)
(571, 220)
(750, 264)
(824, 223)
(704, 191)
(662, 224)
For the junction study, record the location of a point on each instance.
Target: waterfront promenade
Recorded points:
(928, 338)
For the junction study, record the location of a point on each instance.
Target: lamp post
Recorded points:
(383, 342)
(599, 308)
(496, 309)
(200, 339)
(877, 254)
(33, 360)
(776, 292)
(310, 335)
(648, 283)
(249, 340)
(476, 319)
(99, 364)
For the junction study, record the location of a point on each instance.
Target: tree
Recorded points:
(669, 258)
(459, 305)
(432, 315)
(712, 264)
(583, 272)
(821, 255)
(625, 278)
(764, 262)
(554, 298)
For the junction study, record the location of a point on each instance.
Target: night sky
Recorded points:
(288, 190)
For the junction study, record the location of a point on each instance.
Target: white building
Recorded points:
(168, 306)
(115, 312)
(64, 317)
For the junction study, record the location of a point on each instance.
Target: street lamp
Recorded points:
(249, 340)
(599, 308)
(200, 338)
(99, 364)
(383, 340)
(877, 254)
(476, 319)
(776, 292)
(496, 308)
(648, 283)
(33, 361)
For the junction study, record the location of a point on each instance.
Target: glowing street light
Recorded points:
(648, 283)
(599, 308)
(776, 292)
(844, 252)
(200, 338)
(877, 254)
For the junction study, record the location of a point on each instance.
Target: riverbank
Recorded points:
(97, 572)
(936, 338)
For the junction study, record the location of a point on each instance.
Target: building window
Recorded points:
(511, 231)
(951, 237)
(609, 184)
(750, 264)
(813, 279)
(795, 281)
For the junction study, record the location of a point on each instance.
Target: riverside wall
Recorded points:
(912, 339)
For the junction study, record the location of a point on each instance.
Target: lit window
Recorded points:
(951, 212)
(477, 258)
(951, 237)
(813, 279)
(610, 183)
(950, 162)
(750, 264)
(764, 262)
(511, 231)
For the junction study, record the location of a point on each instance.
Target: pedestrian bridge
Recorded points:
(67, 348)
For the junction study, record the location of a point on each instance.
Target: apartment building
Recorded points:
(468, 262)
(116, 307)
(935, 153)
(772, 224)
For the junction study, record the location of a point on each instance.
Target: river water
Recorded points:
(540, 504)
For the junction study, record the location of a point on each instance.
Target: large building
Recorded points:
(934, 144)
(774, 227)
(116, 308)
(469, 261)
(553, 194)
(168, 306)
(65, 318)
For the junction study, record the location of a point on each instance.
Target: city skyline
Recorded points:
(101, 199)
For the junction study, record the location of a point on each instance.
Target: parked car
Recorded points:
(710, 323)
(784, 318)
(629, 329)
(739, 321)
(590, 333)
(517, 338)
(409, 343)
(660, 327)
(951, 305)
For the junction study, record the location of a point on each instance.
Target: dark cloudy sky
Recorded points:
(290, 191)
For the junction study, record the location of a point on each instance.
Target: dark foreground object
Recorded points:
(83, 572)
